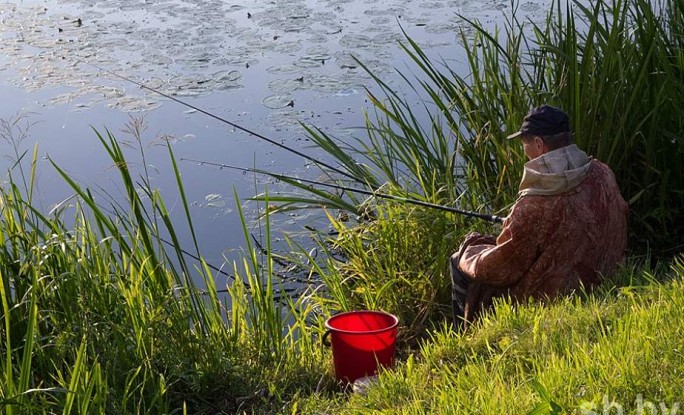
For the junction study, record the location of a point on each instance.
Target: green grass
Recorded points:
(96, 318)
(619, 344)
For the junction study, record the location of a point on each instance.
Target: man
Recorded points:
(567, 229)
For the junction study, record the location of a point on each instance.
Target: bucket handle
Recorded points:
(324, 340)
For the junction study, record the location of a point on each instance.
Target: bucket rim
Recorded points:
(394, 324)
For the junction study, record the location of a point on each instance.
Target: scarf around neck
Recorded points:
(555, 172)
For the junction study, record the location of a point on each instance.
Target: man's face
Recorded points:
(533, 147)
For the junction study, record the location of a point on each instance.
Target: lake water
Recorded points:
(263, 64)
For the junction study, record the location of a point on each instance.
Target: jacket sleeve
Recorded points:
(516, 249)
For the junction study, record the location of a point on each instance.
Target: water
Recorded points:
(263, 64)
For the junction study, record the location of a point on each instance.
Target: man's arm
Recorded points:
(515, 251)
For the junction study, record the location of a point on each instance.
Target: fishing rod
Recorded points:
(484, 216)
(490, 218)
(232, 124)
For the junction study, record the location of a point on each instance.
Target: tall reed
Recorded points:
(105, 316)
(614, 66)
(622, 79)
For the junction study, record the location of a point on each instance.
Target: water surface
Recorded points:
(264, 64)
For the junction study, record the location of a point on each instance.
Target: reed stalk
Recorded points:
(614, 66)
(102, 317)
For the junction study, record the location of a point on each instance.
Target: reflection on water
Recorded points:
(264, 64)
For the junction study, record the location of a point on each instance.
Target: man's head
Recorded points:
(544, 128)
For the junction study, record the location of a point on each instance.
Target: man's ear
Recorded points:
(539, 144)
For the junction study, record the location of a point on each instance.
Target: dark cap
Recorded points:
(543, 120)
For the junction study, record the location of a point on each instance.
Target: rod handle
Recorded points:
(497, 219)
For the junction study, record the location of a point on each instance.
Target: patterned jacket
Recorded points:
(568, 228)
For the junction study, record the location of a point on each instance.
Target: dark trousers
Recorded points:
(459, 292)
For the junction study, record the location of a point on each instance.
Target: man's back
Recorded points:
(576, 236)
(550, 244)
(568, 227)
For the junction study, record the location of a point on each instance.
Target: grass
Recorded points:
(103, 317)
(620, 344)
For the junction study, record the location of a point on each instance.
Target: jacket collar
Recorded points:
(555, 172)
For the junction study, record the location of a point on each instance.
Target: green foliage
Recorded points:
(389, 264)
(617, 67)
(101, 317)
(614, 66)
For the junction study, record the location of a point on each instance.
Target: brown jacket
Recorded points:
(568, 228)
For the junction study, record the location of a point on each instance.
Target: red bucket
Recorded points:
(361, 342)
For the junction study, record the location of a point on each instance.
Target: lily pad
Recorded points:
(282, 86)
(278, 101)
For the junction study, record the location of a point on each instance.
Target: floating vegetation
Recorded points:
(189, 48)
(227, 80)
(133, 104)
(287, 47)
(278, 101)
(278, 69)
(63, 98)
(442, 28)
(332, 85)
(281, 86)
(214, 200)
(356, 41)
(387, 38)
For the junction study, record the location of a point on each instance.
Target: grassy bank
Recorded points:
(94, 322)
(620, 346)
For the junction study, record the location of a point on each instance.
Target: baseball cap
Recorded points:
(543, 120)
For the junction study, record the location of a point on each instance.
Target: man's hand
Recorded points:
(475, 238)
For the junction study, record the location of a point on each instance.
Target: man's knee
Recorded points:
(459, 281)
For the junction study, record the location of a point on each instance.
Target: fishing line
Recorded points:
(222, 272)
(196, 258)
(66, 117)
(487, 217)
(232, 124)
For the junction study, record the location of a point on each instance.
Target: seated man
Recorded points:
(567, 229)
